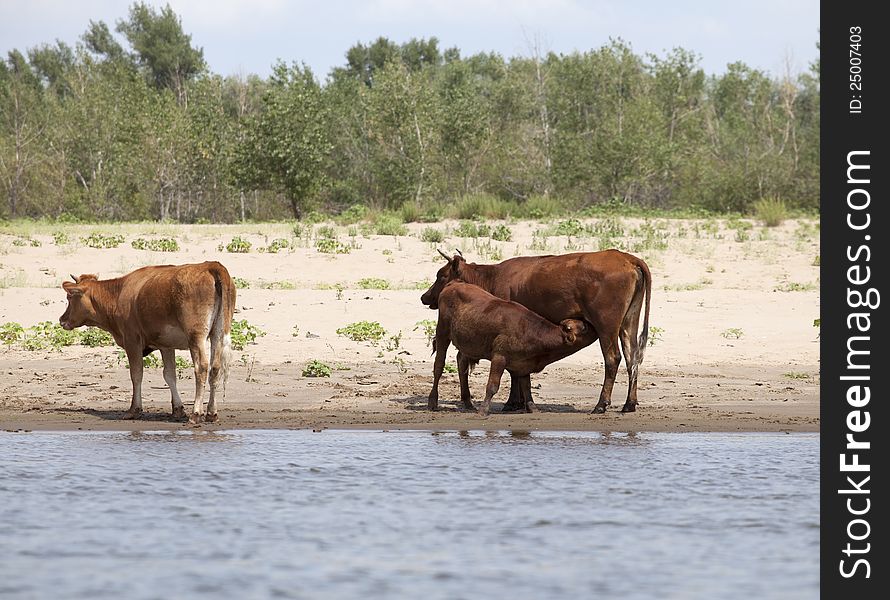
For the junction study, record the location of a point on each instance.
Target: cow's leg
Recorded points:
(198, 348)
(525, 388)
(168, 355)
(611, 360)
(219, 358)
(515, 401)
(442, 343)
(463, 373)
(630, 346)
(498, 364)
(518, 384)
(134, 357)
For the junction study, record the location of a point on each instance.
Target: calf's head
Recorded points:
(451, 271)
(572, 329)
(80, 309)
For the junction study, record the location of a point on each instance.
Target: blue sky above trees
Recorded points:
(248, 36)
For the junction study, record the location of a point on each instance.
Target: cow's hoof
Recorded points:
(208, 418)
(131, 415)
(531, 408)
(195, 418)
(598, 409)
(482, 413)
(179, 412)
(629, 408)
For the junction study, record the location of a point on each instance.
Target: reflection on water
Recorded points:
(341, 514)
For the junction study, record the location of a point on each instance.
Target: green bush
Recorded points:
(771, 211)
(10, 333)
(467, 229)
(363, 331)
(243, 333)
(240, 283)
(330, 246)
(389, 225)
(94, 337)
(100, 240)
(326, 232)
(501, 233)
(238, 245)
(432, 235)
(276, 245)
(373, 283)
(428, 326)
(316, 368)
(353, 214)
(60, 238)
(158, 245)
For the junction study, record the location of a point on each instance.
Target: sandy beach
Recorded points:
(733, 342)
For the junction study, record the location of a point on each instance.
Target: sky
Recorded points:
(242, 37)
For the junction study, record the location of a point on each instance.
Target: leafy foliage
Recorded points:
(243, 333)
(238, 245)
(316, 368)
(101, 240)
(363, 331)
(156, 245)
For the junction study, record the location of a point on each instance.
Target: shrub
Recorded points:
(238, 245)
(240, 283)
(158, 245)
(243, 333)
(468, 229)
(48, 334)
(502, 233)
(410, 212)
(432, 235)
(733, 333)
(373, 283)
(655, 334)
(429, 329)
(771, 211)
(10, 333)
(331, 246)
(570, 227)
(100, 240)
(60, 238)
(353, 214)
(276, 245)
(93, 337)
(363, 331)
(316, 368)
(389, 225)
(326, 232)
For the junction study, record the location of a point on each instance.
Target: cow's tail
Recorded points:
(646, 278)
(221, 325)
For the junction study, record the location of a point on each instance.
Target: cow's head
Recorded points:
(80, 305)
(449, 272)
(571, 329)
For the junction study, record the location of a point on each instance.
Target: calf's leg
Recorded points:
(463, 373)
(442, 342)
(498, 364)
(525, 389)
(168, 355)
(515, 401)
(630, 346)
(219, 363)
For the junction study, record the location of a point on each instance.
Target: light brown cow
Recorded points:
(166, 308)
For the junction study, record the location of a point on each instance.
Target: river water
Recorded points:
(372, 514)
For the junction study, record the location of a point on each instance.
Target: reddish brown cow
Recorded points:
(606, 289)
(508, 334)
(163, 308)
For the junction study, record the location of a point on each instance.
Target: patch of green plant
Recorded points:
(570, 227)
(316, 368)
(182, 366)
(11, 333)
(501, 233)
(100, 240)
(363, 331)
(156, 245)
(331, 246)
(48, 334)
(295, 332)
(389, 225)
(326, 232)
(238, 245)
(353, 214)
(733, 333)
(393, 343)
(471, 229)
(817, 323)
(276, 245)
(771, 211)
(428, 326)
(450, 368)
(26, 241)
(432, 235)
(60, 238)
(93, 337)
(816, 261)
(650, 237)
(796, 375)
(243, 333)
(655, 334)
(793, 286)
(373, 283)
(240, 283)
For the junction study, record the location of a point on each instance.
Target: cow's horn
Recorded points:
(459, 252)
(445, 256)
(73, 277)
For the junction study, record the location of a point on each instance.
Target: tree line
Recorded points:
(130, 124)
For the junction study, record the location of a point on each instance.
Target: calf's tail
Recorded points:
(646, 277)
(221, 326)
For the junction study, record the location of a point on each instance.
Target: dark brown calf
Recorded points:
(511, 336)
(606, 289)
(163, 308)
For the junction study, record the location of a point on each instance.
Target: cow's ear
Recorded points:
(456, 265)
(71, 289)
